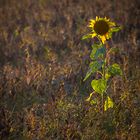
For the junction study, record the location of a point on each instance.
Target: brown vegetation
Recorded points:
(43, 62)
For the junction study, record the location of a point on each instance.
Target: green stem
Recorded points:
(104, 65)
(103, 75)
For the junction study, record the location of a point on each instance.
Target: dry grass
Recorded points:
(42, 65)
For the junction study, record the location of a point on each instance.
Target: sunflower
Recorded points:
(102, 28)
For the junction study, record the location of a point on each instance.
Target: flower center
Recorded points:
(101, 27)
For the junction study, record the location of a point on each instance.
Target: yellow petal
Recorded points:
(107, 36)
(92, 21)
(108, 19)
(90, 25)
(93, 35)
(103, 39)
(112, 24)
(96, 18)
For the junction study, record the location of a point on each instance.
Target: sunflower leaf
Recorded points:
(100, 52)
(97, 49)
(88, 99)
(108, 103)
(99, 86)
(116, 29)
(92, 55)
(114, 70)
(94, 66)
(114, 49)
(89, 72)
(87, 36)
(96, 46)
(93, 102)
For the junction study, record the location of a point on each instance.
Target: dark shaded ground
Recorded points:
(43, 62)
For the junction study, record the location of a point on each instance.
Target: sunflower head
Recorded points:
(102, 28)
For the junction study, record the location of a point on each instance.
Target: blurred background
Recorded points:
(43, 62)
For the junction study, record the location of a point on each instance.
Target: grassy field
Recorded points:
(43, 62)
